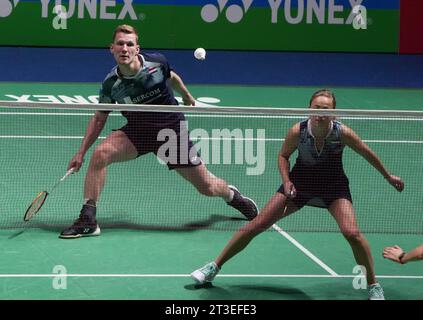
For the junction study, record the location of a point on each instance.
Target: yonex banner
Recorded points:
(295, 25)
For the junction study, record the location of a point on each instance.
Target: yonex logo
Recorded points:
(103, 9)
(234, 12)
(6, 7)
(293, 12)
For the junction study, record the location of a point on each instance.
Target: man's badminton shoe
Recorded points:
(375, 292)
(205, 274)
(85, 226)
(243, 204)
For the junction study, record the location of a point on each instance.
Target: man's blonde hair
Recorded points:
(125, 28)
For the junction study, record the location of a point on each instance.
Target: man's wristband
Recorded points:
(400, 257)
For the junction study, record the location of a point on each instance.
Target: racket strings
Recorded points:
(35, 205)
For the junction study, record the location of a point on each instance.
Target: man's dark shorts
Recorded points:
(171, 143)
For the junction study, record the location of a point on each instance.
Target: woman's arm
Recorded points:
(351, 139)
(288, 147)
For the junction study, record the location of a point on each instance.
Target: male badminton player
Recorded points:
(317, 179)
(141, 79)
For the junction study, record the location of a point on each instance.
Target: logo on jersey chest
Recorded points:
(152, 70)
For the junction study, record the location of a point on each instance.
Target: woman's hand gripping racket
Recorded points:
(290, 190)
(40, 199)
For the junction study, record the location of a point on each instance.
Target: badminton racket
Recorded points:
(41, 197)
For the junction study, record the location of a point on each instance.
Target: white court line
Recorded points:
(205, 138)
(304, 250)
(207, 116)
(394, 141)
(279, 139)
(43, 137)
(123, 275)
(48, 114)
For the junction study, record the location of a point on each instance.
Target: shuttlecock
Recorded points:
(200, 53)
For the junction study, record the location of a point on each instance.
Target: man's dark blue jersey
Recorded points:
(149, 86)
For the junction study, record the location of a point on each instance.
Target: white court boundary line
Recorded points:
(206, 108)
(187, 114)
(206, 138)
(129, 275)
(304, 250)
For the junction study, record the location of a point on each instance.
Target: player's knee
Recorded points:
(100, 157)
(352, 235)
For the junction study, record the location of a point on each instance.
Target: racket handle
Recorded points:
(292, 193)
(67, 174)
